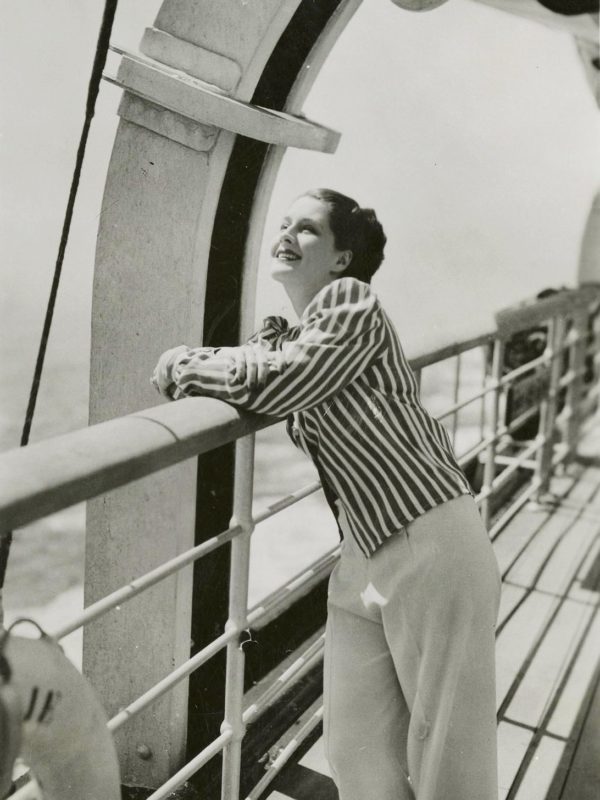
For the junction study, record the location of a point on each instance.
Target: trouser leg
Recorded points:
(366, 716)
(409, 677)
(439, 623)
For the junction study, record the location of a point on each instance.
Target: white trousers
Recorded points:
(409, 686)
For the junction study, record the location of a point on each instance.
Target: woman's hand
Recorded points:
(248, 365)
(252, 365)
(162, 378)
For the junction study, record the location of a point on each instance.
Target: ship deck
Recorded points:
(548, 651)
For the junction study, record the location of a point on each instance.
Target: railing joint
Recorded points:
(236, 732)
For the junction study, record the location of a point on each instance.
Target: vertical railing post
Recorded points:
(575, 389)
(486, 355)
(596, 342)
(595, 354)
(238, 613)
(456, 394)
(548, 408)
(489, 471)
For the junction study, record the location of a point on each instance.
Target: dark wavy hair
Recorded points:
(356, 229)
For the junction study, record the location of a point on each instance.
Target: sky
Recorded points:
(471, 132)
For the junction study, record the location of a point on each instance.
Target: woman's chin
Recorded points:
(280, 272)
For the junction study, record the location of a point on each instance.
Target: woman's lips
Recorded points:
(287, 255)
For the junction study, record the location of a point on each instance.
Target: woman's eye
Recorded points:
(308, 228)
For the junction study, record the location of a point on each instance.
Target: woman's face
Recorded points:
(303, 253)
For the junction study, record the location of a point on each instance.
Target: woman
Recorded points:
(409, 664)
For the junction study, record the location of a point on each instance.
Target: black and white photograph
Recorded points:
(299, 400)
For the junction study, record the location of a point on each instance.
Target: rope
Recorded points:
(102, 45)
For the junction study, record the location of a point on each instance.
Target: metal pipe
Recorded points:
(524, 315)
(114, 599)
(300, 666)
(508, 461)
(479, 448)
(284, 755)
(163, 792)
(521, 419)
(575, 387)
(509, 513)
(233, 722)
(163, 686)
(447, 351)
(48, 476)
(530, 366)
(504, 380)
(457, 366)
(549, 407)
(287, 501)
(502, 431)
(282, 598)
(138, 585)
(489, 469)
(471, 399)
(485, 352)
(567, 379)
(499, 481)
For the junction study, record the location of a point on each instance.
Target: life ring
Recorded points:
(51, 718)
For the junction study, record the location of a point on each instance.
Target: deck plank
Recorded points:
(516, 537)
(538, 778)
(526, 524)
(563, 566)
(583, 780)
(585, 492)
(517, 637)
(533, 559)
(549, 664)
(511, 597)
(567, 708)
(586, 586)
(513, 742)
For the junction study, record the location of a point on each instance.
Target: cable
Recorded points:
(102, 45)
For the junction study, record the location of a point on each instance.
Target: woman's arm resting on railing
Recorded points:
(250, 363)
(341, 332)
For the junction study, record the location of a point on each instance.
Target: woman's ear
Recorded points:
(342, 261)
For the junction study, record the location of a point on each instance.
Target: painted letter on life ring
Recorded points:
(64, 738)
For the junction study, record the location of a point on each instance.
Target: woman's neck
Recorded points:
(300, 296)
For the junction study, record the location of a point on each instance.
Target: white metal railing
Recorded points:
(36, 481)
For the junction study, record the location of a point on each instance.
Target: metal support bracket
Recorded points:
(194, 100)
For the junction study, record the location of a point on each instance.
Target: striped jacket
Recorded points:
(353, 406)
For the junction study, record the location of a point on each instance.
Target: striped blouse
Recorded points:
(353, 406)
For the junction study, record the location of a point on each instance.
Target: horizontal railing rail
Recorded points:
(51, 475)
(534, 312)
(54, 474)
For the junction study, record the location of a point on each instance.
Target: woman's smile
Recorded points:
(286, 254)
(304, 256)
